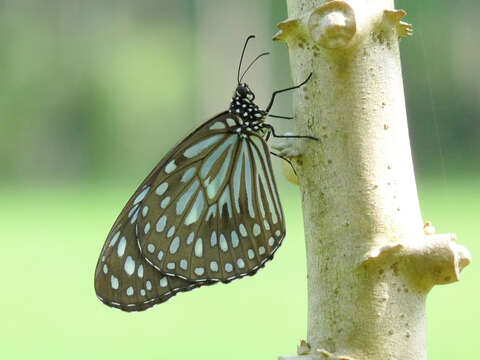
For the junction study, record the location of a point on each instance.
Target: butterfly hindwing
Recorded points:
(125, 280)
(211, 210)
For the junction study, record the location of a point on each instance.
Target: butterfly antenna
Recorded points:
(241, 57)
(249, 66)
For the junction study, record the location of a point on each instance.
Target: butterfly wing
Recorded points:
(125, 280)
(210, 209)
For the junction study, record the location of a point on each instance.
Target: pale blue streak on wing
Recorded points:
(237, 177)
(274, 205)
(210, 161)
(248, 182)
(214, 186)
(141, 196)
(225, 199)
(188, 175)
(185, 198)
(196, 210)
(262, 182)
(212, 211)
(197, 149)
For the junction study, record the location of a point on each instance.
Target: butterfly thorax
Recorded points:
(248, 114)
(243, 106)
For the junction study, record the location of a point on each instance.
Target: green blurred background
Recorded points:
(92, 93)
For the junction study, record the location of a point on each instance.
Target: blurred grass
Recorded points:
(52, 236)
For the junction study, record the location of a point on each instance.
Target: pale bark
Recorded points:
(370, 261)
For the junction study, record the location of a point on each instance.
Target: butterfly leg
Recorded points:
(287, 160)
(272, 129)
(281, 117)
(275, 93)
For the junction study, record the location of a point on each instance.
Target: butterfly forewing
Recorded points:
(211, 210)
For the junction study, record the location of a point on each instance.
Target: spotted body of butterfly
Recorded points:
(209, 212)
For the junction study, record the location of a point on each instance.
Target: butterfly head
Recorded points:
(243, 106)
(244, 92)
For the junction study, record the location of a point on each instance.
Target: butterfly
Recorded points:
(209, 211)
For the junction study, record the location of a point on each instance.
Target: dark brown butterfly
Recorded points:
(208, 212)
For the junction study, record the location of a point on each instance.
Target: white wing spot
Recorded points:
(174, 245)
(251, 254)
(148, 285)
(278, 233)
(147, 228)
(114, 282)
(140, 271)
(171, 166)
(223, 243)
(266, 224)
(271, 241)
(243, 230)
(105, 269)
(135, 216)
(261, 250)
(161, 224)
(121, 246)
(199, 271)
(190, 238)
(145, 211)
(161, 189)
(214, 266)
(151, 248)
(129, 265)
(184, 264)
(171, 231)
(240, 263)
(132, 210)
(228, 267)
(188, 175)
(256, 230)
(130, 291)
(165, 202)
(143, 292)
(231, 122)
(199, 248)
(141, 196)
(235, 239)
(213, 239)
(217, 126)
(160, 255)
(171, 266)
(163, 282)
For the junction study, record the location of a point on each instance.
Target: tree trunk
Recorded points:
(371, 260)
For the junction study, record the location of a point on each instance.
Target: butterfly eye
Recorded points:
(242, 91)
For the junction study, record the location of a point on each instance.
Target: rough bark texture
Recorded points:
(371, 262)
